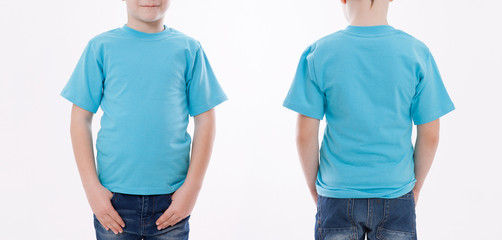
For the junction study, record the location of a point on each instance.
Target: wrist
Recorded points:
(91, 185)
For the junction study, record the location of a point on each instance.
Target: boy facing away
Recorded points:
(148, 79)
(372, 82)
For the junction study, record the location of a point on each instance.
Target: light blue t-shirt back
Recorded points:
(147, 85)
(372, 83)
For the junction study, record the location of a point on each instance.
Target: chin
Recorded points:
(149, 19)
(149, 15)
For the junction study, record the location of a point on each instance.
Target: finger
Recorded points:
(171, 221)
(176, 221)
(112, 224)
(116, 226)
(105, 222)
(116, 217)
(102, 222)
(167, 222)
(167, 214)
(164, 224)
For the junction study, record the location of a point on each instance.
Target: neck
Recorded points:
(147, 27)
(363, 14)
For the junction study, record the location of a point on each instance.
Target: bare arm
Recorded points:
(425, 149)
(185, 197)
(81, 138)
(307, 142)
(97, 195)
(202, 147)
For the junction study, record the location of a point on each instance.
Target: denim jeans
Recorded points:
(139, 213)
(376, 218)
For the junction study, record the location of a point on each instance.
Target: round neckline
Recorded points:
(145, 35)
(370, 30)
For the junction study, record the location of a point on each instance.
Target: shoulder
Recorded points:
(327, 43)
(184, 40)
(105, 36)
(320, 46)
(97, 42)
(328, 40)
(414, 44)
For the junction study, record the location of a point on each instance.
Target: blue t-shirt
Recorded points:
(372, 83)
(147, 85)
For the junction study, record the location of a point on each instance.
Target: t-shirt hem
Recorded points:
(209, 106)
(360, 194)
(434, 116)
(79, 103)
(302, 110)
(144, 190)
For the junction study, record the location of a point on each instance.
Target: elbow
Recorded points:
(303, 138)
(429, 140)
(299, 139)
(433, 139)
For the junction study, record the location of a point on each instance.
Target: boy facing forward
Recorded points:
(372, 82)
(148, 79)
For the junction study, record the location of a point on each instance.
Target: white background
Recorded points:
(254, 187)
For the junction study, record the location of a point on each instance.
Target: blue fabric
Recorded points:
(147, 85)
(366, 218)
(139, 213)
(371, 83)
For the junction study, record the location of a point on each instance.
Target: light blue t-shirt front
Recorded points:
(372, 83)
(147, 85)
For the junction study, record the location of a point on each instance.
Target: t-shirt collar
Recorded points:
(140, 34)
(370, 30)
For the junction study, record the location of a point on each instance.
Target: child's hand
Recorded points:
(99, 199)
(314, 196)
(415, 195)
(183, 202)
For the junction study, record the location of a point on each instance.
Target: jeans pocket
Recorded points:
(399, 221)
(346, 233)
(114, 196)
(408, 195)
(386, 234)
(334, 219)
(179, 231)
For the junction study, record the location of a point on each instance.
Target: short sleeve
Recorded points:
(203, 90)
(431, 100)
(305, 96)
(85, 86)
